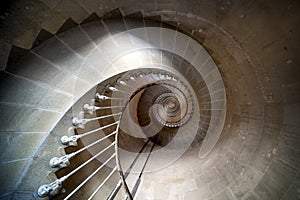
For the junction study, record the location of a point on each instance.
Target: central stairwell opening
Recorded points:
(147, 96)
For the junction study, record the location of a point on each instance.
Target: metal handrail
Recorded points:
(119, 184)
(72, 140)
(79, 123)
(122, 176)
(56, 186)
(64, 160)
(120, 171)
(103, 182)
(89, 177)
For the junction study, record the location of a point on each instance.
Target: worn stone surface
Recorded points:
(10, 174)
(51, 4)
(53, 21)
(291, 114)
(15, 86)
(4, 54)
(21, 15)
(77, 40)
(287, 149)
(293, 191)
(34, 178)
(275, 182)
(15, 146)
(254, 45)
(17, 118)
(37, 69)
(245, 182)
(251, 196)
(96, 31)
(90, 6)
(60, 55)
(71, 9)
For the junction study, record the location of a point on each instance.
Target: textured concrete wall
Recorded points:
(253, 43)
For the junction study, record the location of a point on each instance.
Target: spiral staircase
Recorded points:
(147, 100)
(152, 103)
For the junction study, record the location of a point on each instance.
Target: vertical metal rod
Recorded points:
(98, 129)
(119, 184)
(102, 117)
(134, 161)
(89, 177)
(85, 163)
(137, 183)
(101, 185)
(115, 191)
(118, 159)
(92, 144)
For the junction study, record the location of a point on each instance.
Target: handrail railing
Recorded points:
(63, 161)
(72, 140)
(79, 123)
(119, 184)
(136, 184)
(55, 186)
(90, 176)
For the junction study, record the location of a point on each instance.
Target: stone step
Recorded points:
(77, 40)
(96, 31)
(91, 18)
(59, 54)
(115, 25)
(41, 37)
(18, 118)
(73, 9)
(65, 59)
(35, 68)
(15, 55)
(45, 98)
(134, 20)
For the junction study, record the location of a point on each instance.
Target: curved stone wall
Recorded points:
(254, 46)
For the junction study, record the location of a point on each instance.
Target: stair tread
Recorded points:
(41, 37)
(57, 53)
(96, 31)
(68, 24)
(71, 9)
(115, 26)
(116, 13)
(13, 119)
(92, 17)
(16, 54)
(34, 68)
(46, 98)
(77, 40)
